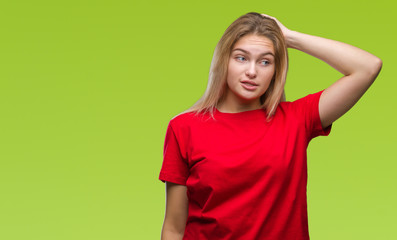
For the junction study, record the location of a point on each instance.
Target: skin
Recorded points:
(360, 69)
(248, 60)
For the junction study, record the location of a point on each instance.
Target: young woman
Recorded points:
(235, 162)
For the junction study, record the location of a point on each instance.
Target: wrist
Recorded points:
(290, 39)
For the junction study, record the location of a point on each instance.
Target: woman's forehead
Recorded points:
(254, 44)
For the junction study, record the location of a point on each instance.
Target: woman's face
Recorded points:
(250, 71)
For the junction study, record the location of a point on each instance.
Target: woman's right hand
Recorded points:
(286, 32)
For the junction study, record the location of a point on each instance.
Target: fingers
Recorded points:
(265, 15)
(275, 19)
(282, 27)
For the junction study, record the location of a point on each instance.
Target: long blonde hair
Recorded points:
(250, 23)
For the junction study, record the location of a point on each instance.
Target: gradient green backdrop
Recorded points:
(87, 89)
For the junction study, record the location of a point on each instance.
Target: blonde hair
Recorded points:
(250, 23)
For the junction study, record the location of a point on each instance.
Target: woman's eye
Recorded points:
(266, 62)
(240, 58)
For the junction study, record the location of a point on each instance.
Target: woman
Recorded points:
(235, 162)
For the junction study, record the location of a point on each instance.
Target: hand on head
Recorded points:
(284, 29)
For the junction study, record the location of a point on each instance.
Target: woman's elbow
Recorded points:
(372, 71)
(377, 66)
(168, 234)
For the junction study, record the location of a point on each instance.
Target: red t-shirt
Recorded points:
(246, 178)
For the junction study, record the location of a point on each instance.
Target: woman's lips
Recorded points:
(249, 86)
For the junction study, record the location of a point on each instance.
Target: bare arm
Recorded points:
(359, 67)
(176, 212)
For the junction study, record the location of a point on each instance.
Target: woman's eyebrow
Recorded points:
(265, 53)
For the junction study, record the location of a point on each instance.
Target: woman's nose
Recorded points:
(251, 71)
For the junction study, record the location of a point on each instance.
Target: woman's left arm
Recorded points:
(359, 68)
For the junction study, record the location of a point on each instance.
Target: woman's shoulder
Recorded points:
(303, 102)
(285, 106)
(188, 118)
(291, 108)
(181, 117)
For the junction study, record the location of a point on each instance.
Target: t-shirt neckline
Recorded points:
(255, 113)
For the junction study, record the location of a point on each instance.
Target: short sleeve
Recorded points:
(309, 106)
(174, 168)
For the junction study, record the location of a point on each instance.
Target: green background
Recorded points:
(87, 89)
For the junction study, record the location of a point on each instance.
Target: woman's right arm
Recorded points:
(176, 211)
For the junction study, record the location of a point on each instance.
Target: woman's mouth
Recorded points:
(249, 86)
